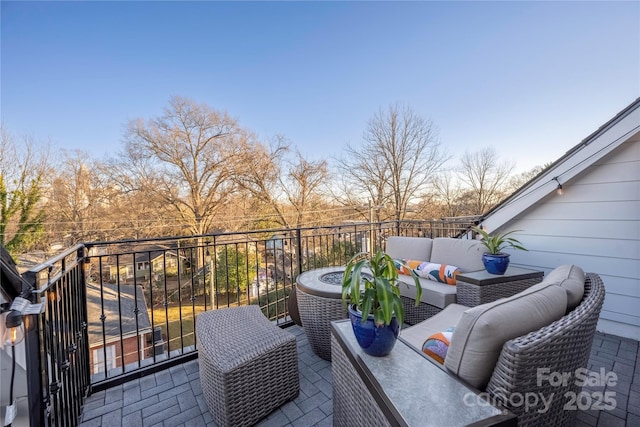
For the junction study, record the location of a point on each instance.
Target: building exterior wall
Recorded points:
(130, 346)
(595, 224)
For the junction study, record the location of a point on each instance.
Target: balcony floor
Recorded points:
(174, 397)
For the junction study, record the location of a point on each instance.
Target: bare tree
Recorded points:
(359, 191)
(302, 185)
(520, 179)
(188, 157)
(397, 160)
(448, 193)
(486, 178)
(290, 187)
(261, 177)
(23, 169)
(74, 205)
(86, 204)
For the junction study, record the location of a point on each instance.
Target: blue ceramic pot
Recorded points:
(374, 340)
(495, 263)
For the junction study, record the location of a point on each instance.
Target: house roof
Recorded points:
(594, 147)
(118, 313)
(125, 254)
(153, 255)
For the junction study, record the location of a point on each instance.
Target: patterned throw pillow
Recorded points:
(436, 345)
(442, 273)
(403, 264)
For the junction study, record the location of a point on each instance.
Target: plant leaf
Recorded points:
(416, 281)
(383, 288)
(398, 310)
(356, 277)
(367, 302)
(379, 318)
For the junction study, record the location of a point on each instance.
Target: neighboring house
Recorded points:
(278, 243)
(159, 260)
(105, 351)
(355, 232)
(594, 224)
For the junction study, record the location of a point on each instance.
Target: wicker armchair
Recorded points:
(561, 347)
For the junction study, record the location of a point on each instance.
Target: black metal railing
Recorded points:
(56, 340)
(121, 310)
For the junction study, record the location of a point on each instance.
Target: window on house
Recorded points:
(98, 359)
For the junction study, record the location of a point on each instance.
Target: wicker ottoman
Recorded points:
(248, 366)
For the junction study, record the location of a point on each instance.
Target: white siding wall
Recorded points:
(596, 225)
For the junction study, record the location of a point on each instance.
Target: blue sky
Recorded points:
(531, 79)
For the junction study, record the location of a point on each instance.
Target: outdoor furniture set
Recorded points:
(501, 332)
(473, 284)
(510, 352)
(318, 293)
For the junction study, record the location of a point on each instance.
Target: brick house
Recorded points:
(106, 347)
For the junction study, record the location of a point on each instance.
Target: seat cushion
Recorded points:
(418, 248)
(466, 254)
(433, 293)
(416, 335)
(483, 330)
(571, 279)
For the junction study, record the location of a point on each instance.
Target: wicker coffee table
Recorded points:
(319, 294)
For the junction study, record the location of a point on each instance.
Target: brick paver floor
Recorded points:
(173, 398)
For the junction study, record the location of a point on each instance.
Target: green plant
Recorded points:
(496, 243)
(234, 270)
(371, 283)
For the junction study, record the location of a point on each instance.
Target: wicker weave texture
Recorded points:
(472, 295)
(353, 404)
(248, 366)
(561, 347)
(414, 315)
(316, 314)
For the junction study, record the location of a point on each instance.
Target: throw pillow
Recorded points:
(403, 265)
(436, 345)
(442, 273)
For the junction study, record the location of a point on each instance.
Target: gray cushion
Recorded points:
(418, 248)
(466, 254)
(483, 330)
(433, 293)
(571, 279)
(417, 334)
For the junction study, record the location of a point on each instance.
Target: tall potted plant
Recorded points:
(371, 292)
(495, 260)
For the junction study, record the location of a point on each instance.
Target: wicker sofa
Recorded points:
(465, 254)
(507, 349)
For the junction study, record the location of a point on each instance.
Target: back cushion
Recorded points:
(416, 248)
(483, 330)
(466, 254)
(571, 279)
